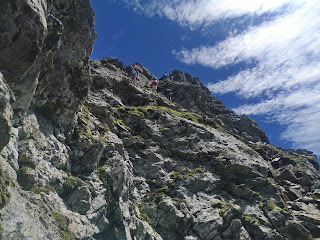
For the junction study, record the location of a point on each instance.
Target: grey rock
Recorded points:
(6, 113)
(190, 93)
(80, 200)
(287, 174)
(16, 218)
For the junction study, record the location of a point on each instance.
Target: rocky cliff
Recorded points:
(86, 154)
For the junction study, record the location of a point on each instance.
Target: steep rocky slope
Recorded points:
(85, 154)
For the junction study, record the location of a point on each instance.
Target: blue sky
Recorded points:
(260, 57)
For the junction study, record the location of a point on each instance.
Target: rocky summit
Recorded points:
(87, 154)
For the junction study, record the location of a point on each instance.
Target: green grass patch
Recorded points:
(89, 127)
(142, 111)
(250, 151)
(272, 206)
(86, 133)
(163, 190)
(5, 183)
(223, 206)
(179, 203)
(145, 218)
(179, 176)
(101, 170)
(251, 219)
(316, 196)
(154, 197)
(45, 189)
(71, 183)
(61, 222)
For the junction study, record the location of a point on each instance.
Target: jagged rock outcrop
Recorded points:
(6, 97)
(86, 154)
(190, 93)
(44, 50)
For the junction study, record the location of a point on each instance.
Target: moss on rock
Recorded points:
(61, 222)
(40, 189)
(179, 176)
(142, 111)
(5, 183)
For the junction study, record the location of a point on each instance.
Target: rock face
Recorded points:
(6, 97)
(44, 50)
(85, 154)
(190, 93)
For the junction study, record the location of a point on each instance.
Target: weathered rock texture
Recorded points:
(85, 154)
(44, 51)
(6, 98)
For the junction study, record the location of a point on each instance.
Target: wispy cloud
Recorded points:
(286, 72)
(198, 12)
(299, 110)
(120, 33)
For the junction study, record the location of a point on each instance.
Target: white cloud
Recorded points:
(299, 110)
(194, 13)
(286, 75)
(120, 33)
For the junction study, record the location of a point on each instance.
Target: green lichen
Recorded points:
(184, 211)
(86, 133)
(179, 176)
(154, 197)
(149, 181)
(142, 111)
(22, 171)
(180, 203)
(223, 206)
(61, 222)
(162, 190)
(40, 189)
(101, 170)
(71, 183)
(138, 111)
(272, 206)
(225, 209)
(316, 196)
(122, 124)
(250, 219)
(218, 205)
(83, 108)
(89, 127)
(251, 152)
(145, 218)
(138, 137)
(272, 180)
(5, 183)
(139, 204)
